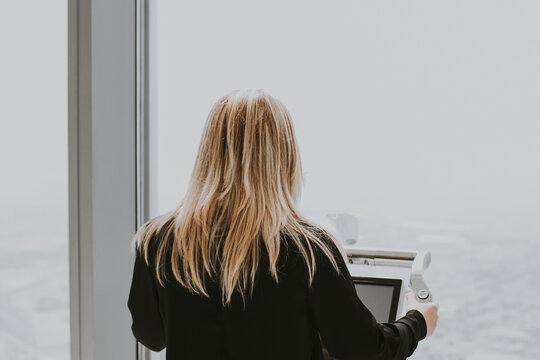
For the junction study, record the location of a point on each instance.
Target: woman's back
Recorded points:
(278, 321)
(248, 276)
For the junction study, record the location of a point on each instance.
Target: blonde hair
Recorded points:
(242, 195)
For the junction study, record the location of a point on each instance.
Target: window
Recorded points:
(34, 278)
(419, 118)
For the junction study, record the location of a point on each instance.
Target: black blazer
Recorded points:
(288, 320)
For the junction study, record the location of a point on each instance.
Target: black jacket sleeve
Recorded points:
(347, 328)
(143, 303)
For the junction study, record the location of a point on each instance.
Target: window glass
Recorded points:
(34, 280)
(421, 119)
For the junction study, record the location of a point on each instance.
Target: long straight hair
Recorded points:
(242, 196)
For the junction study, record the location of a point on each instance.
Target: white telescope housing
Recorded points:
(381, 276)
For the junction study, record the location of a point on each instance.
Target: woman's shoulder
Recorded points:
(317, 240)
(322, 234)
(155, 236)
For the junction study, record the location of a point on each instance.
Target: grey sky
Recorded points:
(423, 110)
(398, 112)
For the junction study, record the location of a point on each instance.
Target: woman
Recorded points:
(235, 272)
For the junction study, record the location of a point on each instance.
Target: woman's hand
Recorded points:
(429, 310)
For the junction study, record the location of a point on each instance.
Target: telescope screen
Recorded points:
(380, 296)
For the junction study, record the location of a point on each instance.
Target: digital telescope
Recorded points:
(381, 275)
